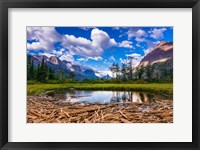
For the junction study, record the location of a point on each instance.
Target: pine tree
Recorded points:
(149, 72)
(28, 68)
(130, 69)
(117, 70)
(140, 73)
(38, 72)
(42, 72)
(71, 75)
(32, 71)
(51, 74)
(123, 71)
(62, 74)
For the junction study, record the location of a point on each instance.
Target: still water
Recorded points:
(106, 96)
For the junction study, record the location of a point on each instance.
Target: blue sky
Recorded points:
(96, 47)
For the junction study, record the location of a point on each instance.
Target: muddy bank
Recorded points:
(45, 109)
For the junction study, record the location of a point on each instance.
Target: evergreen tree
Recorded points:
(140, 73)
(28, 68)
(130, 69)
(71, 75)
(149, 72)
(42, 72)
(62, 74)
(113, 69)
(123, 71)
(117, 70)
(51, 74)
(32, 71)
(38, 72)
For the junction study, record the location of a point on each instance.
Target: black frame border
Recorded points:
(6, 4)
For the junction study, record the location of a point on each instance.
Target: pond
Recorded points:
(104, 97)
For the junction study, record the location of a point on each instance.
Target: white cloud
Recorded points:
(100, 40)
(67, 57)
(126, 44)
(81, 59)
(44, 38)
(139, 39)
(157, 33)
(58, 53)
(138, 45)
(150, 46)
(107, 63)
(98, 58)
(134, 55)
(103, 73)
(46, 54)
(35, 46)
(135, 32)
(112, 58)
(147, 51)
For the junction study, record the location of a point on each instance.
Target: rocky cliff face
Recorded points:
(161, 53)
(157, 64)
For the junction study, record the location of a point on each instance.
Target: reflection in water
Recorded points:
(106, 96)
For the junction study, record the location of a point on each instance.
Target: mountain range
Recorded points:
(81, 72)
(160, 57)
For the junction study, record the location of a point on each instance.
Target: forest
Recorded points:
(42, 73)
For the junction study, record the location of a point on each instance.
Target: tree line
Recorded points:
(43, 73)
(151, 72)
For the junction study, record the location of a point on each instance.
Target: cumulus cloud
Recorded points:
(135, 32)
(135, 58)
(59, 52)
(67, 57)
(102, 73)
(157, 33)
(100, 41)
(43, 38)
(139, 39)
(126, 44)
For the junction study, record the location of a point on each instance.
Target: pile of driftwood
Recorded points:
(43, 109)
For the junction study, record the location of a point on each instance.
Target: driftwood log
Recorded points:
(43, 109)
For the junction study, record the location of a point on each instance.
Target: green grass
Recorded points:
(167, 88)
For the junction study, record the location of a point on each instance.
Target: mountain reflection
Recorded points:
(106, 96)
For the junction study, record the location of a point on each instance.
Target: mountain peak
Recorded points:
(161, 43)
(161, 53)
(54, 60)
